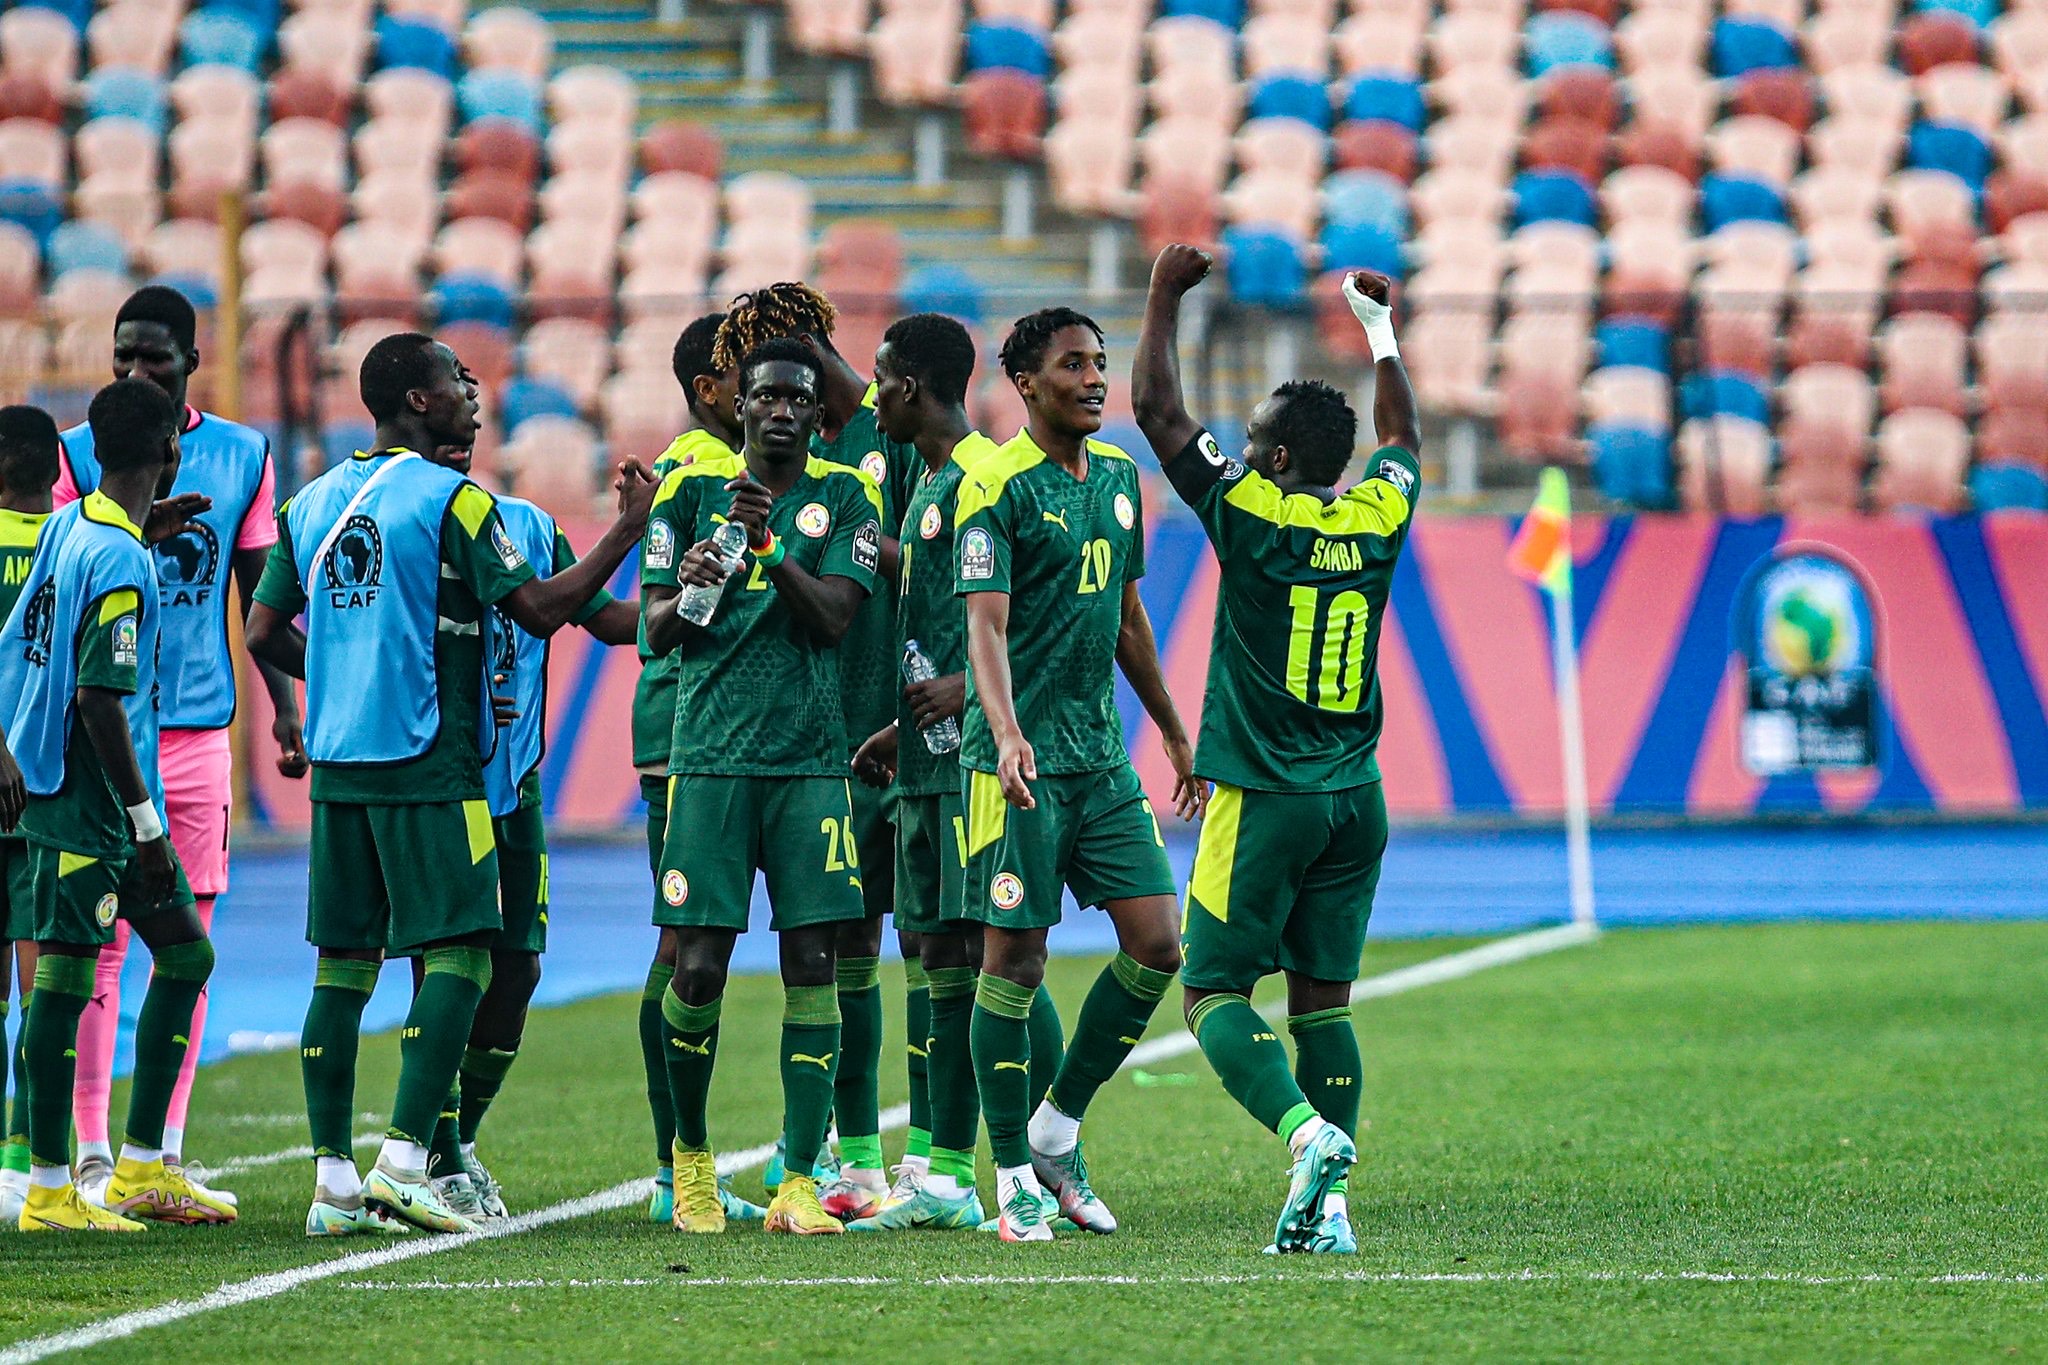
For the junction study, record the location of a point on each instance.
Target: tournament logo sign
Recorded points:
(186, 564)
(1808, 638)
(39, 623)
(355, 564)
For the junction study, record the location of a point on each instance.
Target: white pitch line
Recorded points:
(1447, 968)
(236, 1164)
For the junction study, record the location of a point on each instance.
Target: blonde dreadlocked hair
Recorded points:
(788, 309)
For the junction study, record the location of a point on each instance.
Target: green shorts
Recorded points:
(797, 831)
(1283, 882)
(874, 834)
(1093, 833)
(400, 877)
(522, 840)
(931, 863)
(17, 892)
(76, 899)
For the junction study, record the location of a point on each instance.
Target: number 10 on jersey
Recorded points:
(1337, 623)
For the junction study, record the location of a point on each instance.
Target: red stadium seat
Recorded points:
(1004, 114)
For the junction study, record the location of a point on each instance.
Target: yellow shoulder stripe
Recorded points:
(689, 448)
(822, 470)
(18, 530)
(985, 479)
(973, 449)
(1374, 508)
(117, 604)
(1114, 452)
(471, 506)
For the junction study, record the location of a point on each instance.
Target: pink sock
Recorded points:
(96, 1030)
(181, 1094)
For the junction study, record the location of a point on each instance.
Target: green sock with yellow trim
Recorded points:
(1000, 1038)
(917, 1033)
(1248, 1057)
(436, 1031)
(1113, 1019)
(810, 1057)
(327, 1051)
(857, 1079)
(50, 1035)
(163, 1034)
(690, 1048)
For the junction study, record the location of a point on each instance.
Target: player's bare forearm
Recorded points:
(665, 624)
(616, 623)
(824, 607)
(275, 639)
(1137, 654)
(1155, 371)
(988, 660)
(1395, 420)
(248, 571)
(106, 729)
(542, 606)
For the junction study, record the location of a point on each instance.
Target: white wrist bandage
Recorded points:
(1377, 319)
(148, 825)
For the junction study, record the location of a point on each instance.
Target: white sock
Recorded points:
(130, 1152)
(174, 1144)
(873, 1181)
(468, 1150)
(88, 1150)
(1336, 1201)
(1009, 1176)
(1301, 1136)
(1052, 1132)
(338, 1176)
(400, 1155)
(13, 1182)
(48, 1177)
(943, 1186)
(921, 1165)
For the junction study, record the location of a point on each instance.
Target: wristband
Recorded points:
(1380, 336)
(769, 555)
(148, 825)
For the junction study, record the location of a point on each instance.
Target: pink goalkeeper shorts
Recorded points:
(197, 767)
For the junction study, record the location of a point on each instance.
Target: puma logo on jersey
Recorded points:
(917, 1051)
(823, 1063)
(702, 1049)
(1013, 1066)
(1337, 556)
(1058, 519)
(1133, 1042)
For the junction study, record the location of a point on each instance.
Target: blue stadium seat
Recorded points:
(1726, 199)
(1745, 43)
(1724, 393)
(473, 298)
(1630, 341)
(1264, 266)
(1229, 13)
(1293, 97)
(945, 289)
(2006, 487)
(1632, 465)
(35, 206)
(197, 288)
(1566, 38)
(119, 92)
(86, 246)
(1366, 199)
(1547, 196)
(1978, 12)
(79, 12)
(414, 42)
(1008, 47)
(509, 95)
(1362, 246)
(1951, 147)
(524, 398)
(263, 15)
(221, 37)
(1387, 95)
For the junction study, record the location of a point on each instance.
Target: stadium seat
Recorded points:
(1922, 456)
(681, 145)
(2019, 435)
(506, 95)
(1681, 98)
(597, 93)
(40, 41)
(413, 96)
(2008, 487)
(509, 38)
(1368, 198)
(1726, 199)
(1724, 463)
(1369, 41)
(1291, 97)
(334, 45)
(492, 194)
(1928, 40)
(829, 27)
(528, 397)
(1652, 37)
(1264, 267)
(1776, 93)
(1375, 145)
(459, 298)
(1295, 44)
(1577, 146)
(1537, 421)
(1177, 209)
(115, 92)
(501, 146)
(1632, 465)
(915, 57)
(1745, 44)
(1756, 148)
(221, 37)
(415, 43)
(133, 33)
(296, 92)
(1716, 393)
(1578, 92)
(1008, 47)
(1628, 343)
(31, 205)
(85, 246)
(1543, 196)
(1386, 98)
(1003, 114)
(591, 149)
(1474, 38)
(1564, 38)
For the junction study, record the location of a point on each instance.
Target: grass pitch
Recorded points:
(1794, 1141)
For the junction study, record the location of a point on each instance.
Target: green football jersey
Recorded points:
(928, 612)
(1062, 548)
(1293, 696)
(867, 656)
(654, 696)
(18, 531)
(755, 695)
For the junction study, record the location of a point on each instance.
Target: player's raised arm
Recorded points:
(1155, 372)
(1394, 417)
(543, 606)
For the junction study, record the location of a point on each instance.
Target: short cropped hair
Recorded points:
(936, 351)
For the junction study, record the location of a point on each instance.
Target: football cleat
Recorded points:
(1322, 1163)
(336, 1215)
(824, 1170)
(697, 1205)
(795, 1208)
(1065, 1177)
(490, 1195)
(1333, 1236)
(410, 1198)
(847, 1198)
(924, 1210)
(459, 1193)
(661, 1206)
(161, 1194)
(90, 1180)
(64, 1210)
(738, 1210)
(196, 1175)
(909, 1180)
(1048, 1206)
(1022, 1216)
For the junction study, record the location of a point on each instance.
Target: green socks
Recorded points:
(481, 1078)
(690, 1048)
(1327, 1065)
(444, 1151)
(1000, 1039)
(1248, 1058)
(50, 1038)
(162, 1035)
(1048, 1043)
(436, 1031)
(810, 1050)
(857, 1080)
(654, 1059)
(917, 1030)
(955, 1099)
(327, 1051)
(1113, 1019)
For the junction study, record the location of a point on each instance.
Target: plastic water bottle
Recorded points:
(698, 604)
(918, 667)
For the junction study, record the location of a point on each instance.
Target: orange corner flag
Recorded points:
(1542, 552)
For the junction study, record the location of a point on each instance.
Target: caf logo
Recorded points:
(505, 644)
(38, 623)
(813, 519)
(104, 911)
(186, 564)
(1125, 513)
(1006, 891)
(930, 524)
(355, 564)
(675, 887)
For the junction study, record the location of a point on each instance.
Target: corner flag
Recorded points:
(1542, 549)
